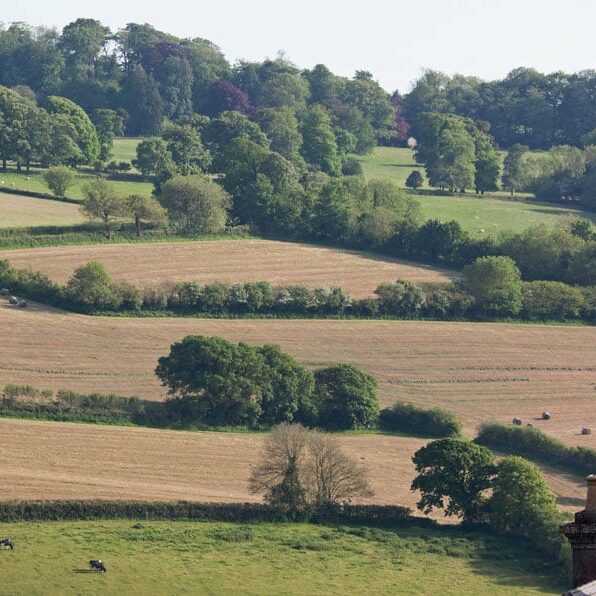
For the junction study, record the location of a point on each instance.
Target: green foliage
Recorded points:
(59, 179)
(536, 445)
(495, 285)
(187, 151)
(154, 159)
(425, 422)
(319, 144)
(146, 210)
(281, 126)
(515, 168)
(102, 203)
(195, 204)
(91, 287)
(87, 138)
(346, 398)
(453, 474)
(520, 496)
(551, 300)
(108, 124)
(400, 298)
(414, 180)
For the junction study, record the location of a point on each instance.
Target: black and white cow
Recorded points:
(97, 565)
(6, 543)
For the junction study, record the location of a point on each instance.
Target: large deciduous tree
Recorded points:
(454, 475)
(195, 204)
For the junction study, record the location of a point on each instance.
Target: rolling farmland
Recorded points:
(480, 371)
(51, 460)
(230, 261)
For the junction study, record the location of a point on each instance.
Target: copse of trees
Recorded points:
(456, 153)
(214, 381)
(509, 497)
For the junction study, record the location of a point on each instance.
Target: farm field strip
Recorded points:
(230, 261)
(52, 460)
(480, 371)
(21, 212)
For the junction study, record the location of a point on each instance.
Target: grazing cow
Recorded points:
(517, 421)
(586, 431)
(97, 565)
(6, 543)
(13, 300)
(4, 291)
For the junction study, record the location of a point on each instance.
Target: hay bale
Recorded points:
(530, 425)
(517, 421)
(545, 415)
(586, 431)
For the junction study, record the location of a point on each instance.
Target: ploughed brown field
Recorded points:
(230, 261)
(480, 371)
(50, 460)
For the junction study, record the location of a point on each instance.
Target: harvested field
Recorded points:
(230, 261)
(480, 371)
(22, 212)
(51, 460)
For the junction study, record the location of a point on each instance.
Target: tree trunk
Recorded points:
(4, 164)
(138, 225)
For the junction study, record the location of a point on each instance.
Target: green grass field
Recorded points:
(22, 212)
(34, 182)
(220, 558)
(479, 216)
(125, 148)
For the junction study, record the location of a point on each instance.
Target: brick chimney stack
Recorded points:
(582, 536)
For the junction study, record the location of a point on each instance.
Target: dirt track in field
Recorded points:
(49, 460)
(480, 371)
(230, 261)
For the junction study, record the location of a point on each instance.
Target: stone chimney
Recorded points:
(582, 536)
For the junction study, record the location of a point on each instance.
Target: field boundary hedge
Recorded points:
(538, 446)
(11, 511)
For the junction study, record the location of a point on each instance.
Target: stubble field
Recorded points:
(21, 212)
(230, 261)
(51, 460)
(480, 371)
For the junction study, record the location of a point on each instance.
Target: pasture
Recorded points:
(125, 148)
(230, 261)
(480, 371)
(33, 182)
(144, 557)
(55, 460)
(23, 212)
(479, 216)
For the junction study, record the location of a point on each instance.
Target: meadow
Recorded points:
(231, 261)
(59, 460)
(22, 212)
(34, 182)
(480, 216)
(479, 371)
(207, 558)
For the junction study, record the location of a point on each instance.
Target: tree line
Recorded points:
(490, 288)
(150, 76)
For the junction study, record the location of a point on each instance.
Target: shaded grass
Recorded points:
(185, 557)
(125, 148)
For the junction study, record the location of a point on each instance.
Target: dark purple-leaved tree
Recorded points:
(225, 97)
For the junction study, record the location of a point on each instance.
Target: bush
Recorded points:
(412, 419)
(414, 180)
(59, 179)
(346, 398)
(92, 288)
(534, 444)
(551, 300)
